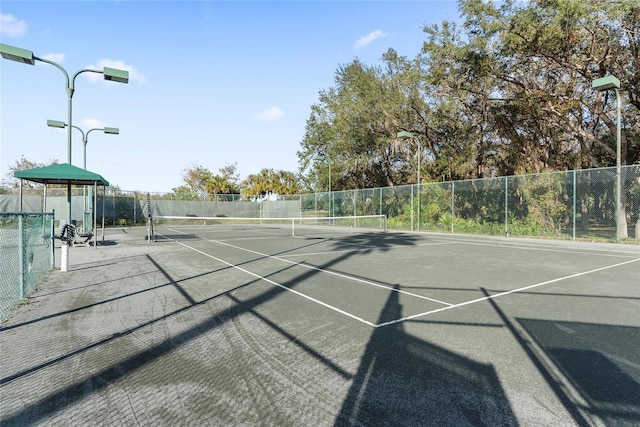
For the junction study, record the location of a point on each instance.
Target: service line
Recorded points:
(571, 276)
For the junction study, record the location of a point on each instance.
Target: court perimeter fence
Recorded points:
(578, 205)
(26, 254)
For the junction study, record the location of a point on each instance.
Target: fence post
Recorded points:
(21, 252)
(418, 206)
(574, 204)
(53, 239)
(453, 196)
(412, 208)
(506, 206)
(354, 207)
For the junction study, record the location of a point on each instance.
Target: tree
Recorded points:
(182, 192)
(207, 185)
(352, 129)
(270, 181)
(196, 179)
(507, 92)
(23, 164)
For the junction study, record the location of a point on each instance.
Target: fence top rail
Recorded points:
(26, 213)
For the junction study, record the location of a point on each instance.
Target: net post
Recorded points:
(293, 227)
(149, 219)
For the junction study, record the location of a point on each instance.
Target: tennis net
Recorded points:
(218, 228)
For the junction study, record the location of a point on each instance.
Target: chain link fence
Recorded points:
(578, 204)
(26, 254)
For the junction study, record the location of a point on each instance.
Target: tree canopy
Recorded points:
(507, 91)
(201, 183)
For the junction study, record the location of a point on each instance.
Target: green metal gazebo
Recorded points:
(63, 173)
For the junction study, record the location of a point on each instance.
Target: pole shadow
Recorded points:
(600, 362)
(403, 380)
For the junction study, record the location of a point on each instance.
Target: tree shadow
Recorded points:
(374, 241)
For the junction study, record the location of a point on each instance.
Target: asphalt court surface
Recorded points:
(211, 328)
(354, 274)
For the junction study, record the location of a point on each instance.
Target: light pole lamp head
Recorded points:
(606, 83)
(115, 75)
(404, 135)
(112, 131)
(17, 54)
(56, 124)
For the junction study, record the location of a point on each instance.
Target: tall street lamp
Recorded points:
(603, 84)
(27, 57)
(409, 135)
(85, 135)
(85, 140)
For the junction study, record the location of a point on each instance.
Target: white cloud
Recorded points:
(134, 74)
(372, 36)
(271, 114)
(87, 124)
(55, 57)
(11, 26)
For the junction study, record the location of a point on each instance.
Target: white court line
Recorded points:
(545, 248)
(372, 247)
(257, 276)
(584, 273)
(344, 276)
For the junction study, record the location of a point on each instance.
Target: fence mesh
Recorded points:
(26, 252)
(578, 204)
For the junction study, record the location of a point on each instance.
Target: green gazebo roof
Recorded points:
(63, 173)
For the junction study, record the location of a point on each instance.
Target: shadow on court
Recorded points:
(599, 362)
(374, 241)
(593, 369)
(111, 367)
(403, 380)
(399, 380)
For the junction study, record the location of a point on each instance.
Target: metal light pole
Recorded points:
(27, 57)
(603, 84)
(85, 140)
(409, 135)
(85, 135)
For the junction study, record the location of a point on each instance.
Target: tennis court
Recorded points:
(261, 324)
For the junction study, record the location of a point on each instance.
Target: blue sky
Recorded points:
(211, 82)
